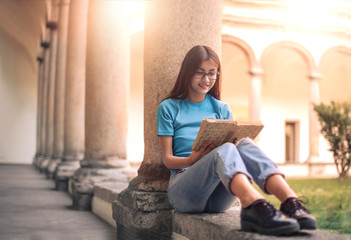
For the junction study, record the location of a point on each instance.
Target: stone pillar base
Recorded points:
(63, 172)
(51, 168)
(37, 159)
(313, 158)
(81, 201)
(83, 180)
(44, 163)
(142, 211)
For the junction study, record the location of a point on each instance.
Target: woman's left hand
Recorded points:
(207, 147)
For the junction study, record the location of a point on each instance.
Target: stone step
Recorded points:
(223, 226)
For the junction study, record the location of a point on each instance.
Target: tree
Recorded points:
(335, 120)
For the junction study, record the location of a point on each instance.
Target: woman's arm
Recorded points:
(173, 162)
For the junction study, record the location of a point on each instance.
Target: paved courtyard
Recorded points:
(30, 209)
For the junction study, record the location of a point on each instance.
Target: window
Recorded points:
(291, 142)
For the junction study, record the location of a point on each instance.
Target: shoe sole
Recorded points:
(284, 230)
(308, 224)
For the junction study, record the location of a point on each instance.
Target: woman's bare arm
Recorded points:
(173, 162)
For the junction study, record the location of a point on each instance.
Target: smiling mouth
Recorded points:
(204, 86)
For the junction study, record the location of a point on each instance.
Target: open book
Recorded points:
(224, 130)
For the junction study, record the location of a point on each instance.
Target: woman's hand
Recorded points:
(173, 162)
(207, 147)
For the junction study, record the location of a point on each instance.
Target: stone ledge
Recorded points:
(103, 209)
(108, 191)
(209, 226)
(104, 194)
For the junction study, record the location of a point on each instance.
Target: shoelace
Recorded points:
(266, 208)
(294, 204)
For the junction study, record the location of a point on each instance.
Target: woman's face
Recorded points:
(203, 80)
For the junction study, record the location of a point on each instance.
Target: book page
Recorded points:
(213, 130)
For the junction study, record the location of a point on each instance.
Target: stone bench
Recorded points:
(223, 226)
(206, 226)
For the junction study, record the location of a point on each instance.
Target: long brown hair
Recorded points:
(190, 65)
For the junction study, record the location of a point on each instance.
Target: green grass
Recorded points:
(328, 200)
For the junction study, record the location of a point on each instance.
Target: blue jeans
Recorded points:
(205, 186)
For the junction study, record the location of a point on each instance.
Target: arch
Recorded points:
(307, 56)
(335, 65)
(339, 48)
(254, 65)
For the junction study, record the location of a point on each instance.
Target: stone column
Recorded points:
(142, 211)
(74, 94)
(41, 71)
(52, 25)
(59, 88)
(107, 82)
(314, 126)
(255, 94)
(45, 44)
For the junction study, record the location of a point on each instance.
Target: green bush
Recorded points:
(335, 120)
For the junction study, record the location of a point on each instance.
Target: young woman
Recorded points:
(210, 179)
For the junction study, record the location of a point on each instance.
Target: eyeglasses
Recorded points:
(210, 75)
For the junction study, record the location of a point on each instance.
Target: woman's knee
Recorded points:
(227, 147)
(245, 144)
(245, 141)
(228, 152)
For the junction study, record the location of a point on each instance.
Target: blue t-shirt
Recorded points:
(181, 118)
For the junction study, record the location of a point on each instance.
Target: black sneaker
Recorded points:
(292, 207)
(263, 218)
